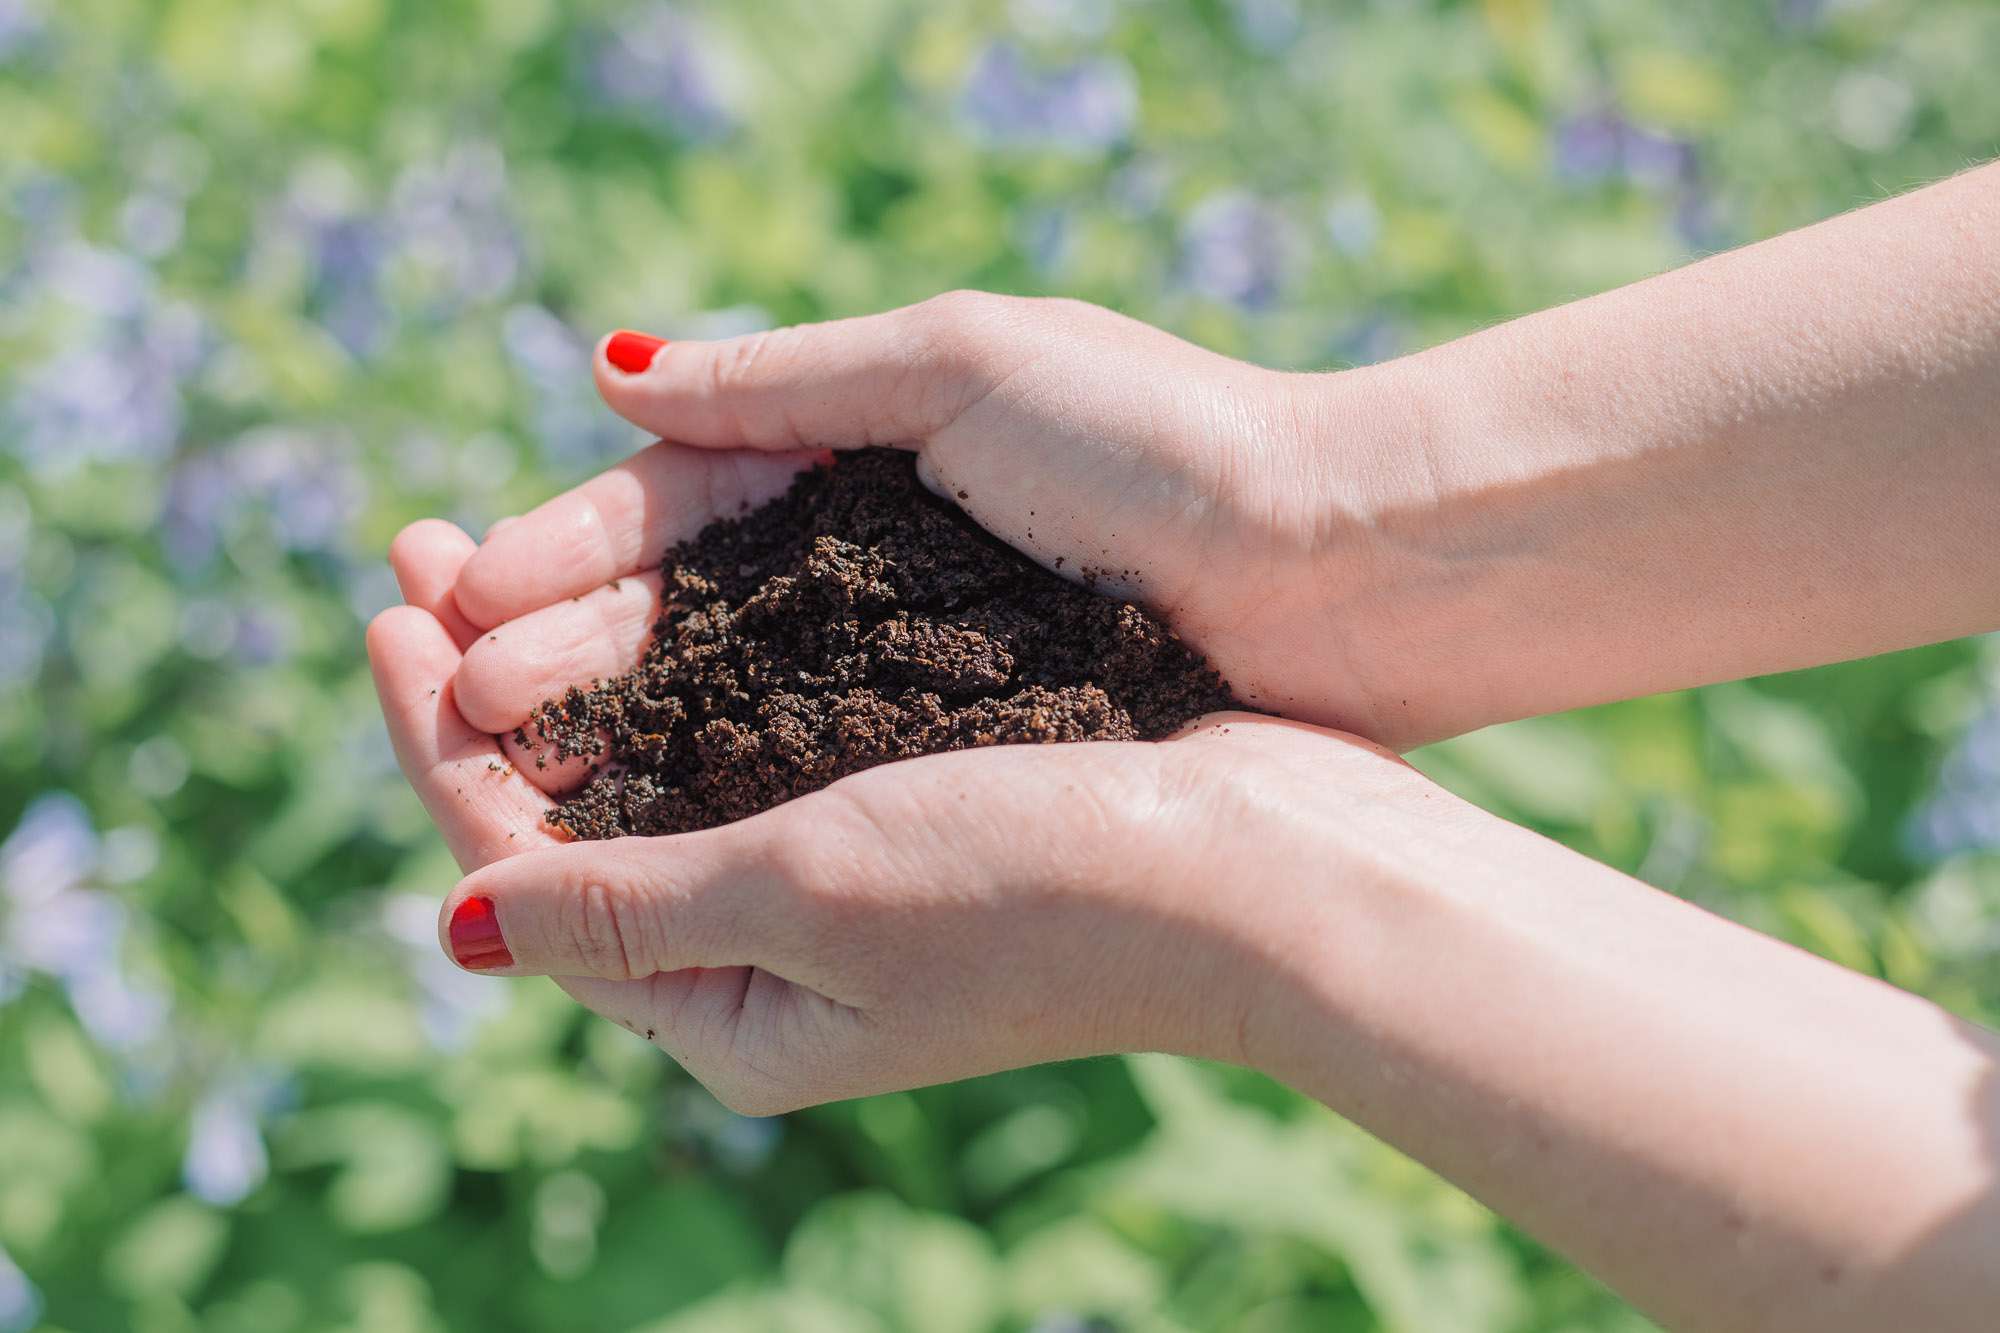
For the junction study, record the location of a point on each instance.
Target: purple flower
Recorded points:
(1597, 145)
(77, 934)
(86, 400)
(262, 637)
(452, 227)
(1657, 161)
(199, 496)
(20, 28)
(1800, 14)
(52, 850)
(302, 486)
(1963, 813)
(45, 203)
(1266, 25)
(444, 241)
(322, 227)
(346, 295)
(17, 531)
(1139, 188)
(306, 484)
(20, 1302)
(1083, 107)
(1601, 145)
(150, 223)
(659, 62)
(454, 1003)
(1588, 147)
(225, 1159)
(1698, 222)
(121, 1012)
(73, 934)
(547, 350)
(572, 426)
(1238, 249)
(1044, 236)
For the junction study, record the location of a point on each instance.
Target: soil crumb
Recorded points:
(855, 620)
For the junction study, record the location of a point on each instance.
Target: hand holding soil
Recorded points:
(1194, 488)
(1776, 457)
(818, 618)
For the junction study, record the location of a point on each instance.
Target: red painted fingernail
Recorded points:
(632, 352)
(476, 941)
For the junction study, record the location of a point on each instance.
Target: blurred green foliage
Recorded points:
(276, 279)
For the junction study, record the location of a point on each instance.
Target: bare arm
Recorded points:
(1733, 1133)
(1779, 457)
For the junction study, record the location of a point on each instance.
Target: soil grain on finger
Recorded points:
(855, 620)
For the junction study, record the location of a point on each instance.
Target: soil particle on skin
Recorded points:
(855, 620)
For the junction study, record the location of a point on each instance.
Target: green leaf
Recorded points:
(168, 1250)
(919, 1272)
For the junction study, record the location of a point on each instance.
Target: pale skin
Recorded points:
(1778, 457)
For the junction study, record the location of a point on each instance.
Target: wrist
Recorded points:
(1400, 571)
(1314, 838)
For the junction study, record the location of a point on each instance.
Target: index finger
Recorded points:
(614, 525)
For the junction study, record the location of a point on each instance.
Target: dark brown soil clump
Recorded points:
(856, 620)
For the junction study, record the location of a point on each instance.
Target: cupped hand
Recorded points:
(953, 915)
(927, 920)
(941, 917)
(1105, 449)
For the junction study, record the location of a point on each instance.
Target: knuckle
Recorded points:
(733, 367)
(953, 327)
(737, 369)
(603, 924)
(1068, 310)
(956, 307)
(828, 862)
(966, 342)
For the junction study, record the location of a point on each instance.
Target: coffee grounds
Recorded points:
(855, 620)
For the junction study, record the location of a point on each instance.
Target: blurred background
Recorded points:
(276, 279)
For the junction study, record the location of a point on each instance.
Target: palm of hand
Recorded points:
(803, 955)
(1052, 452)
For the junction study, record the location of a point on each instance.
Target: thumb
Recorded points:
(892, 378)
(619, 909)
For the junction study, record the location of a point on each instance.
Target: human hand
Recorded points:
(1104, 449)
(955, 915)
(896, 928)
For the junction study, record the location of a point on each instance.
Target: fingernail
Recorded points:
(476, 941)
(632, 352)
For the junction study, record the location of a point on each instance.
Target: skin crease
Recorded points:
(1753, 463)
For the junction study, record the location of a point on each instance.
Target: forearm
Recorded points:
(1775, 458)
(1730, 1132)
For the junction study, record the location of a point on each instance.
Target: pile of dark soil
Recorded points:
(855, 620)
